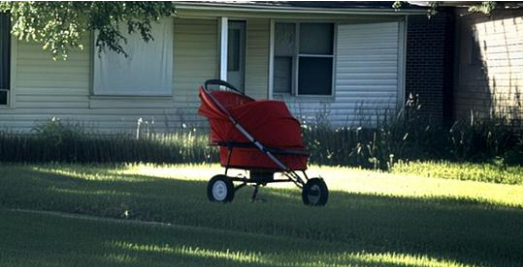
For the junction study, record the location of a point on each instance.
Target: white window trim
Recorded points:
(270, 92)
(295, 59)
(224, 32)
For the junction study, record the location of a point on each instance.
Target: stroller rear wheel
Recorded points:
(315, 192)
(220, 189)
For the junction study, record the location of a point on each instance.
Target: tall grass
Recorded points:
(407, 137)
(66, 142)
(486, 172)
(412, 140)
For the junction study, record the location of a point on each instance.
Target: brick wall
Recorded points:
(429, 69)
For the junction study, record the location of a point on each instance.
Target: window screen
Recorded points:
(316, 38)
(283, 75)
(285, 39)
(284, 50)
(315, 76)
(233, 53)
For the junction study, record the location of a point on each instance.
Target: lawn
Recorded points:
(147, 215)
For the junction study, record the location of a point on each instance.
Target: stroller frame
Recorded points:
(256, 176)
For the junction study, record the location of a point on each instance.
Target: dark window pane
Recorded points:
(315, 76)
(3, 97)
(233, 50)
(5, 51)
(285, 39)
(283, 74)
(316, 38)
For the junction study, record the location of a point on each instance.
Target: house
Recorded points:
(341, 63)
(466, 65)
(489, 63)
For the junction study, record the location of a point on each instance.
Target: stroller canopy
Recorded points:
(269, 122)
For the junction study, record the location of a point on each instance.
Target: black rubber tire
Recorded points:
(315, 192)
(220, 189)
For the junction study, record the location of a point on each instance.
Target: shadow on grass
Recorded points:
(464, 230)
(70, 241)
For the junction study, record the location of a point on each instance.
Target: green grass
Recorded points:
(372, 219)
(492, 173)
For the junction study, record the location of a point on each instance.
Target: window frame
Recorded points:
(294, 92)
(10, 63)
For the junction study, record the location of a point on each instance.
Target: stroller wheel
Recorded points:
(315, 192)
(220, 189)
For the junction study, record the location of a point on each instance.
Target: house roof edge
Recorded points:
(245, 7)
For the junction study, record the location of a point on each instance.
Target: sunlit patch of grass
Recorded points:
(356, 180)
(83, 173)
(409, 185)
(343, 179)
(295, 257)
(92, 192)
(402, 259)
(193, 172)
(486, 172)
(237, 256)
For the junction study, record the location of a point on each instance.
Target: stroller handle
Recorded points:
(222, 83)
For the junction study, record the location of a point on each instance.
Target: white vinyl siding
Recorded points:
(195, 61)
(366, 74)
(257, 58)
(367, 78)
(45, 88)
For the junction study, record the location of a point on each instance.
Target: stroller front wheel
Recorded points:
(220, 189)
(315, 192)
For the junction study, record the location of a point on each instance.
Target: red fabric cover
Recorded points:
(253, 158)
(269, 122)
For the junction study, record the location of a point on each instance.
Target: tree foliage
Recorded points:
(485, 7)
(60, 26)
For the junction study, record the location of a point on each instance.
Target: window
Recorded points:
(147, 71)
(5, 58)
(233, 50)
(303, 58)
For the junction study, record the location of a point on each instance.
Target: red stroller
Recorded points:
(259, 136)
